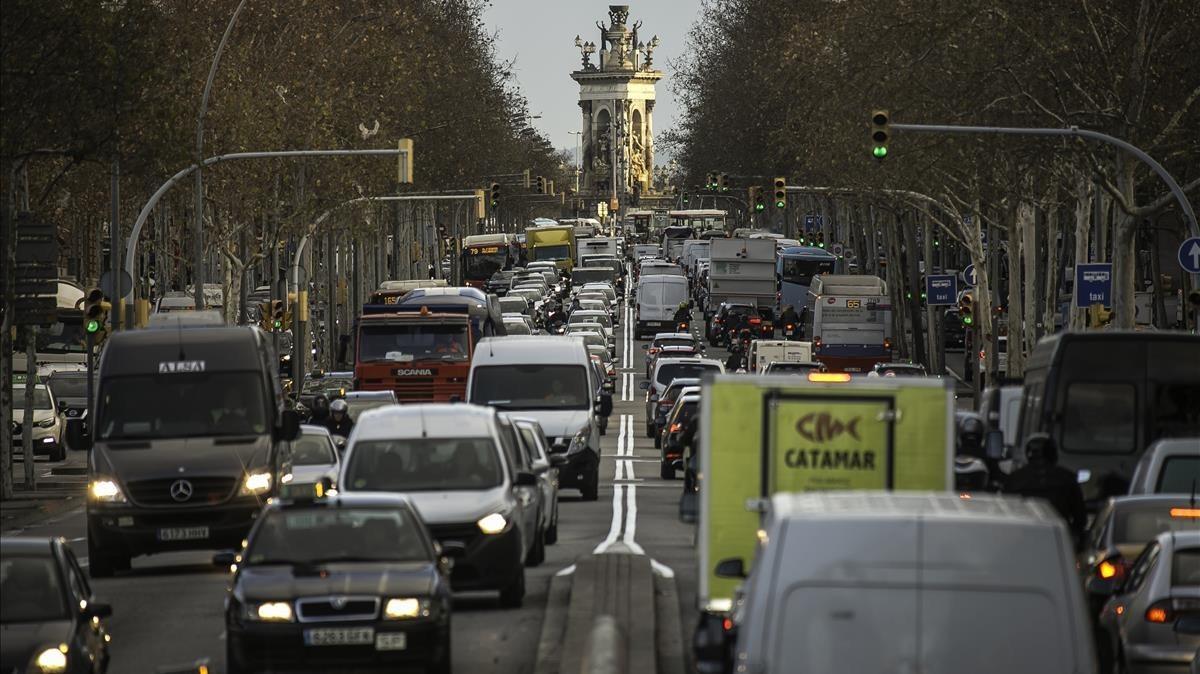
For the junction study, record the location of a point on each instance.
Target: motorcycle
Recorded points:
(682, 326)
(790, 332)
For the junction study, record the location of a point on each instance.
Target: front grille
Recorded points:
(466, 533)
(335, 608)
(204, 491)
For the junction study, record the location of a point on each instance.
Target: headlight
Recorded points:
(106, 491)
(256, 483)
(270, 611)
(404, 608)
(52, 660)
(492, 524)
(47, 423)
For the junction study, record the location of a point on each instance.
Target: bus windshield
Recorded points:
(481, 262)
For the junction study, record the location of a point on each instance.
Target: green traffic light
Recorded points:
(820, 244)
(968, 320)
(278, 324)
(880, 151)
(760, 207)
(780, 204)
(93, 326)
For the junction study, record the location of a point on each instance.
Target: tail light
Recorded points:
(789, 326)
(755, 321)
(676, 427)
(982, 355)
(887, 343)
(816, 342)
(1113, 568)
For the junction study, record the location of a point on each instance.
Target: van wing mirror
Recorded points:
(289, 425)
(732, 567)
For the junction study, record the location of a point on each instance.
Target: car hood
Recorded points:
(38, 415)
(387, 579)
(18, 641)
(449, 507)
(556, 423)
(151, 459)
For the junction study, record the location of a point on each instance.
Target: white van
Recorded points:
(550, 380)
(658, 297)
(927, 582)
(766, 351)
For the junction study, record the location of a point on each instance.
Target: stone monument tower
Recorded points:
(616, 98)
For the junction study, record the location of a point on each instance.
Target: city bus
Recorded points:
(850, 323)
(795, 268)
(486, 254)
(698, 219)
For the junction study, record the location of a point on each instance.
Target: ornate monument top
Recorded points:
(618, 15)
(620, 50)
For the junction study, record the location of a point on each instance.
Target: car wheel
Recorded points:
(666, 471)
(443, 665)
(59, 453)
(538, 554)
(513, 595)
(551, 533)
(233, 663)
(591, 491)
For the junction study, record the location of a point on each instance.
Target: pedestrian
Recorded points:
(1043, 478)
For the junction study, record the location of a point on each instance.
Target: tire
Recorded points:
(591, 491)
(59, 453)
(538, 554)
(666, 471)
(104, 566)
(232, 662)
(514, 595)
(550, 536)
(443, 665)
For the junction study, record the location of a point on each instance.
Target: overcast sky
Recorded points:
(539, 36)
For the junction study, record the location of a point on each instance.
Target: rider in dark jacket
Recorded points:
(339, 421)
(1043, 478)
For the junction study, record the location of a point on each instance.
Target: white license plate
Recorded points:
(183, 534)
(391, 641)
(339, 636)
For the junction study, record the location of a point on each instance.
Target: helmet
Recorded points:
(970, 433)
(683, 305)
(1040, 448)
(970, 474)
(320, 405)
(339, 406)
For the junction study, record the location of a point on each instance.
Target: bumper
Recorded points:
(132, 531)
(45, 441)
(256, 647)
(579, 469)
(489, 562)
(1160, 657)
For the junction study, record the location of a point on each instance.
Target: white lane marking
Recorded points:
(662, 569)
(565, 571)
(614, 530)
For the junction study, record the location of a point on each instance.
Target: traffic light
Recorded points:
(95, 315)
(757, 202)
(540, 185)
(880, 133)
(819, 237)
(710, 181)
(723, 182)
(495, 192)
(278, 312)
(780, 192)
(966, 309)
(264, 316)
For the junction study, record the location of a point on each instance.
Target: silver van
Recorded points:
(658, 297)
(918, 582)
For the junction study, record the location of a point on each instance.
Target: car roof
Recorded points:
(526, 349)
(1174, 446)
(1139, 499)
(905, 505)
(27, 546)
(371, 499)
(311, 429)
(434, 420)
(677, 359)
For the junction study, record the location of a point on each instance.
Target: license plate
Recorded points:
(391, 641)
(339, 636)
(183, 534)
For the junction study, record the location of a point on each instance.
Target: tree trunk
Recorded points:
(1016, 305)
(1053, 272)
(1026, 330)
(1124, 253)
(1084, 192)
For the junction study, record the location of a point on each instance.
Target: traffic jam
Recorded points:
(850, 510)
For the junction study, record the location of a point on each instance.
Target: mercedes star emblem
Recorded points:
(338, 603)
(181, 490)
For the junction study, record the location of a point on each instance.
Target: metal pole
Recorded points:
(114, 237)
(1071, 132)
(27, 418)
(198, 223)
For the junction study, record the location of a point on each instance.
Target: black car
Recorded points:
(954, 334)
(49, 619)
(349, 581)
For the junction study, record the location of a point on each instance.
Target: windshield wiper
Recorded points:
(498, 403)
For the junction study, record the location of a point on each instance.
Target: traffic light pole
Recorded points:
(90, 342)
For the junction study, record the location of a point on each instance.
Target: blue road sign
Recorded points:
(1093, 284)
(1189, 255)
(812, 222)
(941, 289)
(969, 277)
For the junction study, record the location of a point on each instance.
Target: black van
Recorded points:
(1105, 396)
(184, 445)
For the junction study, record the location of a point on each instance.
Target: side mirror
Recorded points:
(732, 567)
(606, 404)
(524, 479)
(540, 466)
(645, 386)
(645, 347)
(224, 558)
(453, 549)
(558, 460)
(1102, 587)
(289, 425)
(78, 436)
(97, 609)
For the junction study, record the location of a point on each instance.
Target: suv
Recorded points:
(667, 370)
(463, 467)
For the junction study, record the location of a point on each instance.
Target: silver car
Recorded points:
(545, 466)
(1152, 623)
(313, 456)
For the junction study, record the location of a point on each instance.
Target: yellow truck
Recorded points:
(552, 242)
(828, 431)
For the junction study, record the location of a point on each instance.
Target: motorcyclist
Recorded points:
(1043, 478)
(319, 412)
(734, 362)
(790, 317)
(970, 434)
(683, 314)
(339, 421)
(970, 475)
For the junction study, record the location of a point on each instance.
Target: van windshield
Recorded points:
(662, 293)
(423, 464)
(182, 405)
(541, 387)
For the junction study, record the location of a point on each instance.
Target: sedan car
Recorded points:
(545, 465)
(352, 580)
(313, 456)
(515, 324)
(898, 370)
(663, 339)
(661, 407)
(361, 401)
(49, 618)
(1152, 622)
(667, 370)
(671, 455)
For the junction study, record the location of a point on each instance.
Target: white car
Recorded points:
(47, 423)
(314, 456)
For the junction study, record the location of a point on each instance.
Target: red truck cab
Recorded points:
(422, 356)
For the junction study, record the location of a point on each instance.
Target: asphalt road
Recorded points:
(167, 611)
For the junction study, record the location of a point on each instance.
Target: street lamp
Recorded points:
(586, 49)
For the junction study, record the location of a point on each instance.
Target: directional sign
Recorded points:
(969, 277)
(1093, 284)
(941, 289)
(1189, 255)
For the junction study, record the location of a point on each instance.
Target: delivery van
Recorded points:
(658, 297)
(928, 582)
(766, 351)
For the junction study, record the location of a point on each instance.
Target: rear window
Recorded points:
(1098, 418)
(670, 371)
(1180, 474)
(1185, 568)
(1135, 524)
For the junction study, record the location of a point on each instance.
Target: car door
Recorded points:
(88, 634)
(540, 461)
(529, 498)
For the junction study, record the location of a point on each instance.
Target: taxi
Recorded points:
(328, 580)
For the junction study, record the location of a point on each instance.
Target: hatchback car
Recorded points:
(313, 456)
(663, 339)
(671, 455)
(546, 466)
(49, 617)
(47, 423)
(661, 407)
(1152, 623)
(667, 370)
